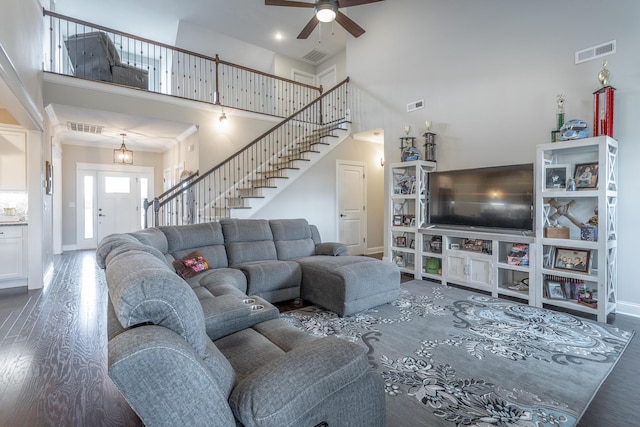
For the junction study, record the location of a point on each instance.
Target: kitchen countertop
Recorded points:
(4, 224)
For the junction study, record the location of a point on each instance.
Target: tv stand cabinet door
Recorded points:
(456, 264)
(480, 271)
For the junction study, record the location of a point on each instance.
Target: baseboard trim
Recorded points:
(376, 250)
(69, 248)
(628, 308)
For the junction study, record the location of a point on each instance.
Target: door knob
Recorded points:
(101, 215)
(342, 215)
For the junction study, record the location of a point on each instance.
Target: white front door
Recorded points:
(109, 199)
(118, 203)
(351, 192)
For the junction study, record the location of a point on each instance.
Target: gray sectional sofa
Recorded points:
(209, 348)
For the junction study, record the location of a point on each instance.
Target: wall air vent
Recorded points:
(596, 52)
(314, 55)
(85, 128)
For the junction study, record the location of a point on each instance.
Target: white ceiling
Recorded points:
(247, 20)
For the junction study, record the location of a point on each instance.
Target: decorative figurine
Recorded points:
(603, 104)
(560, 113)
(604, 74)
(430, 143)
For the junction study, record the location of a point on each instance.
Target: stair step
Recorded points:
(249, 193)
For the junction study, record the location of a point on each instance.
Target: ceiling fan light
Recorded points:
(326, 12)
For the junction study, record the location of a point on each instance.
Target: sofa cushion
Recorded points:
(194, 263)
(292, 238)
(151, 293)
(221, 281)
(263, 277)
(152, 237)
(248, 240)
(206, 237)
(109, 243)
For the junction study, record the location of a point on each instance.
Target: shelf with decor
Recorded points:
(407, 211)
(576, 223)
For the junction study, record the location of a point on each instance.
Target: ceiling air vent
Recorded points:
(85, 128)
(314, 56)
(596, 52)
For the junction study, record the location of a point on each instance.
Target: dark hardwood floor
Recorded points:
(53, 353)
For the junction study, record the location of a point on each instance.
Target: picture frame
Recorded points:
(555, 176)
(401, 242)
(586, 175)
(554, 289)
(412, 223)
(575, 260)
(413, 244)
(400, 260)
(398, 220)
(48, 177)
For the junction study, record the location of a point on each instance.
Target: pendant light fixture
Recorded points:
(122, 155)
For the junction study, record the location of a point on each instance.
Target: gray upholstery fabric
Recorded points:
(338, 363)
(235, 346)
(219, 280)
(228, 314)
(110, 243)
(343, 284)
(248, 240)
(292, 238)
(152, 237)
(265, 276)
(315, 234)
(206, 238)
(142, 290)
(332, 249)
(142, 363)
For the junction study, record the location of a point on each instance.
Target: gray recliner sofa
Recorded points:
(208, 350)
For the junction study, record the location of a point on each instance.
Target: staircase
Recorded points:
(245, 182)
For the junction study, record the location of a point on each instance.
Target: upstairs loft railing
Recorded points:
(252, 171)
(94, 52)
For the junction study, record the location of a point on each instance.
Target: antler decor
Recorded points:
(563, 210)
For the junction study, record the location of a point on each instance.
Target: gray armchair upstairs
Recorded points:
(94, 56)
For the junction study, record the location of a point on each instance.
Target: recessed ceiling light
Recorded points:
(279, 36)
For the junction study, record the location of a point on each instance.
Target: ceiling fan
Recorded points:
(325, 11)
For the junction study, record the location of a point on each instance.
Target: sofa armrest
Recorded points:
(332, 249)
(227, 314)
(305, 379)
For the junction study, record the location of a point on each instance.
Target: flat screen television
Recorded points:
(493, 197)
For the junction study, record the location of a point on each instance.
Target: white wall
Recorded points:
(489, 72)
(313, 195)
(21, 34)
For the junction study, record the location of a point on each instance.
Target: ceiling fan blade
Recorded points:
(287, 3)
(311, 25)
(349, 3)
(348, 24)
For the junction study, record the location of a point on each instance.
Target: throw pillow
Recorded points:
(191, 265)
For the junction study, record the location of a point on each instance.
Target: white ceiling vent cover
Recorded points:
(314, 55)
(85, 128)
(596, 52)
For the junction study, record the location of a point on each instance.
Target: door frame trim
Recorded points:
(365, 200)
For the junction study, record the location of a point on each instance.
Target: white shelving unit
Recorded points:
(599, 275)
(480, 260)
(407, 213)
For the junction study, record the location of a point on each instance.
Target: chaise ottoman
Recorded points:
(348, 284)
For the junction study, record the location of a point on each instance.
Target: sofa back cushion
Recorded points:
(248, 240)
(206, 238)
(152, 237)
(143, 290)
(293, 238)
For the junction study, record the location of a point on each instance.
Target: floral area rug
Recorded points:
(451, 357)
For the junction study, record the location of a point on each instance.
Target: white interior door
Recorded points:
(352, 198)
(118, 203)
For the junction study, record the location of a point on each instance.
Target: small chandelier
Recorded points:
(122, 155)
